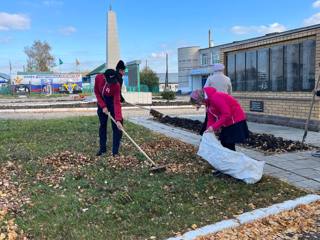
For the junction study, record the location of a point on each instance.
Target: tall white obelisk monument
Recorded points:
(113, 49)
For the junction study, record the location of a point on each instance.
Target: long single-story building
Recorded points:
(273, 76)
(172, 81)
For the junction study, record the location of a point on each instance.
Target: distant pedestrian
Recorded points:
(225, 115)
(107, 90)
(317, 153)
(220, 82)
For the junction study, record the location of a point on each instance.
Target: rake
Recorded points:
(155, 167)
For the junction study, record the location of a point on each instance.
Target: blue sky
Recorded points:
(147, 28)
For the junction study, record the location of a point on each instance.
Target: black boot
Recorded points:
(100, 153)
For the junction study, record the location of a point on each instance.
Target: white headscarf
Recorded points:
(218, 67)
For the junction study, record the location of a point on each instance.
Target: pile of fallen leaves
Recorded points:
(8, 229)
(193, 125)
(165, 143)
(57, 165)
(124, 162)
(295, 224)
(12, 198)
(174, 164)
(267, 143)
(185, 168)
(11, 192)
(271, 144)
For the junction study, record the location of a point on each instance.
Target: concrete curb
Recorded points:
(248, 217)
(47, 110)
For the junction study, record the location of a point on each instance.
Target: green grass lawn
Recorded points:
(106, 198)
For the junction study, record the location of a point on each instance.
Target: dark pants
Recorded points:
(117, 134)
(231, 146)
(204, 125)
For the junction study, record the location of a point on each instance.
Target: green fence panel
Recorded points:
(5, 90)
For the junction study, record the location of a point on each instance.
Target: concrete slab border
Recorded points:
(248, 217)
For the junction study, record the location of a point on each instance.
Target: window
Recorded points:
(291, 67)
(277, 79)
(204, 59)
(251, 71)
(307, 64)
(231, 69)
(263, 70)
(241, 71)
(215, 58)
(280, 68)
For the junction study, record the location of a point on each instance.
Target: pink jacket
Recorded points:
(222, 109)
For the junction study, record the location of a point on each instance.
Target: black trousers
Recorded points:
(230, 146)
(204, 125)
(117, 134)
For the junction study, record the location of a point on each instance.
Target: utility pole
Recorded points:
(166, 85)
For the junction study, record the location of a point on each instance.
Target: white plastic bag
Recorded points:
(235, 164)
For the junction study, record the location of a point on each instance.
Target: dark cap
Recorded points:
(121, 65)
(110, 76)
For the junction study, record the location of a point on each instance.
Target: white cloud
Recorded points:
(67, 31)
(262, 29)
(314, 19)
(52, 3)
(316, 4)
(14, 22)
(158, 55)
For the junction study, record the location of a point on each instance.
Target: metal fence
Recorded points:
(5, 90)
(143, 88)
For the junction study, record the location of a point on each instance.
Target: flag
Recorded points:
(60, 62)
(77, 62)
(10, 66)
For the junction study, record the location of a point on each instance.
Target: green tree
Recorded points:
(149, 78)
(39, 57)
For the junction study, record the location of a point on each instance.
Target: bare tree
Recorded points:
(39, 57)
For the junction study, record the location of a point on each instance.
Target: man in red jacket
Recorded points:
(107, 90)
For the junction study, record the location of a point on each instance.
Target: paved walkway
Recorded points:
(299, 169)
(289, 133)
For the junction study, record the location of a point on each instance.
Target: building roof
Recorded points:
(4, 76)
(267, 36)
(101, 69)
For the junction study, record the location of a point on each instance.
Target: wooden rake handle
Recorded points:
(134, 143)
(306, 128)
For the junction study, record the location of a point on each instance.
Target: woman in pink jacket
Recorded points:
(225, 115)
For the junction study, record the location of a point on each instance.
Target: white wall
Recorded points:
(188, 58)
(138, 97)
(172, 87)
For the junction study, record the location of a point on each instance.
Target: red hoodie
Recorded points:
(223, 110)
(102, 88)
